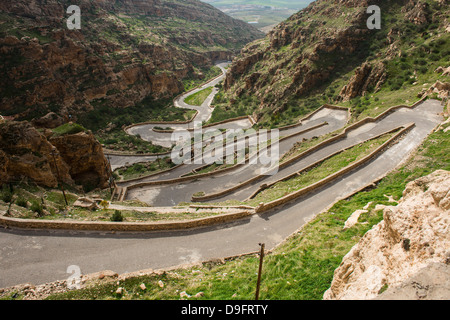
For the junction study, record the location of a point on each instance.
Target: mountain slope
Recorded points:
(326, 54)
(126, 50)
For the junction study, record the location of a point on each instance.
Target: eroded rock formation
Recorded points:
(29, 154)
(413, 235)
(84, 156)
(367, 77)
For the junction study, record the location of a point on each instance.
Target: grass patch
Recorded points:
(119, 140)
(199, 97)
(68, 128)
(324, 169)
(143, 169)
(193, 82)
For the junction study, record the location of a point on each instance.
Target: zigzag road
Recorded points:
(43, 256)
(170, 195)
(354, 137)
(204, 113)
(325, 121)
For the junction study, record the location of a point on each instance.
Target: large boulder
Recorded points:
(50, 120)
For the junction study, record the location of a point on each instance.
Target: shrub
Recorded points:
(199, 194)
(37, 207)
(104, 204)
(6, 195)
(68, 128)
(117, 216)
(21, 201)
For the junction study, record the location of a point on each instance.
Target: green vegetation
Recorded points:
(324, 169)
(192, 81)
(146, 110)
(260, 13)
(224, 110)
(408, 67)
(199, 97)
(6, 194)
(68, 128)
(117, 216)
(300, 268)
(302, 146)
(30, 201)
(138, 170)
(9, 27)
(119, 140)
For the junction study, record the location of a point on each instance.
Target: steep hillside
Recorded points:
(125, 51)
(327, 54)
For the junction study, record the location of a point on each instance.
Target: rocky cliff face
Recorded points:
(84, 157)
(28, 154)
(367, 77)
(125, 51)
(413, 237)
(304, 51)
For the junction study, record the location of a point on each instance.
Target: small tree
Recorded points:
(104, 204)
(117, 216)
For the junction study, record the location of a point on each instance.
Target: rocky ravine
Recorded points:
(407, 253)
(125, 51)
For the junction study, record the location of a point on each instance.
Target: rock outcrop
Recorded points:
(51, 120)
(413, 236)
(367, 77)
(417, 12)
(442, 90)
(84, 156)
(28, 154)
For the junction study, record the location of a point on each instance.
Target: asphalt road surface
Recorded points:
(39, 256)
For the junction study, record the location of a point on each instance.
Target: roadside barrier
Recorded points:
(317, 163)
(122, 226)
(294, 195)
(331, 140)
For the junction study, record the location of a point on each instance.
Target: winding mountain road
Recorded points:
(204, 112)
(40, 256)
